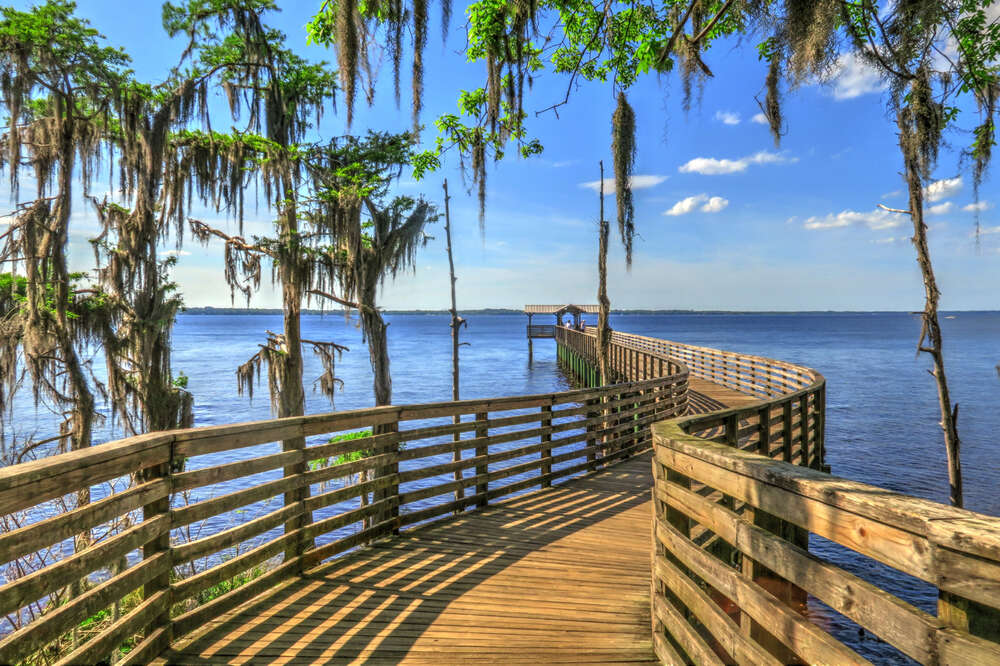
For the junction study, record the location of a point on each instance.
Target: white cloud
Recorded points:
(702, 202)
(942, 189)
(892, 240)
(852, 78)
(989, 230)
(686, 205)
(177, 253)
(638, 183)
(711, 166)
(875, 220)
(971, 208)
(6, 220)
(715, 204)
(727, 117)
(940, 209)
(564, 163)
(759, 118)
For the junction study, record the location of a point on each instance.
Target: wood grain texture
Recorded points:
(556, 576)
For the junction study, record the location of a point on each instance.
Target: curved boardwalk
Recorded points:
(557, 576)
(696, 552)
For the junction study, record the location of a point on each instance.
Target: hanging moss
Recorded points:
(623, 149)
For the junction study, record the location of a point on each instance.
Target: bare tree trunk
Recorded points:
(931, 330)
(456, 323)
(603, 329)
(291, 397)
(378, 346)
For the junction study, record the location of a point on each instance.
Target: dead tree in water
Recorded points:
(604, 304)
(456, 323)
(903, 44)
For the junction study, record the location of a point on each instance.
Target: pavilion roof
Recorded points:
(560, 309)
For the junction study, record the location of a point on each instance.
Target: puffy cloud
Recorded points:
(727, 117)
(715, 204)
(177, 253)
(892, 240)
(942, 189)
(940, 209)
(852, 78)
(686, 205)
(637, 182)
(976, 207)
(876, 219)
(759, 118)
(702, 202)
(710, 166)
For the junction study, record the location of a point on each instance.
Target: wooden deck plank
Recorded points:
(560, 576)
(555, 576)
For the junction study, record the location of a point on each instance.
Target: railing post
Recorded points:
(482, 450)
(821, 429)
(456, 457)
(732, 430)
(764, 416)
(592, 435)
(807, 458)
(161, 544)
(786, 431)
(546, 454)
(390, 447)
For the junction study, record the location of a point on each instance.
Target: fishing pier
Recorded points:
(664, 517)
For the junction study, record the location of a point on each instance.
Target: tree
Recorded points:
(515, 41)
(907, 44)
(375, 236)
(607, 42)
(57, 76)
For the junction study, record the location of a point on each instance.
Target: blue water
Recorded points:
(882, 405)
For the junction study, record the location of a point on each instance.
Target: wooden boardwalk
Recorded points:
(704, 396)
(557, 576)
(579, 573)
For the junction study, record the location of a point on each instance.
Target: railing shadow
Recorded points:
(377, 603)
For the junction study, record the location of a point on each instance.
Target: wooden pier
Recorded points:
(664, 517)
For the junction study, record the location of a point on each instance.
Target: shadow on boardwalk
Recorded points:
(558, 576)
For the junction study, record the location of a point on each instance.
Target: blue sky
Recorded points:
(726, 220)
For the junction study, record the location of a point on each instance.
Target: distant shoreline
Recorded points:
(510, 311)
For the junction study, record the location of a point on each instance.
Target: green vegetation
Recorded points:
(343, 458)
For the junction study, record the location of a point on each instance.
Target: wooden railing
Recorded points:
(790, 423)
(731, 568)
(187, 524)
(735, 503)
(626, 360)
(541, 330)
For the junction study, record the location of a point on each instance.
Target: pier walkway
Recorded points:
(558, 576)
(661, 518)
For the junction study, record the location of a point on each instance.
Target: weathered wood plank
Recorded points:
(34, 537)
(22, 591)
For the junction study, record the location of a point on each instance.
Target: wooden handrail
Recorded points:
(747, 591)
(734, 501)
(231, 516)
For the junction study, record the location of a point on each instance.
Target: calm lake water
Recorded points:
(882, 406)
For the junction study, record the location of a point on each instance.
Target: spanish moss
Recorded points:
(623, 149)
